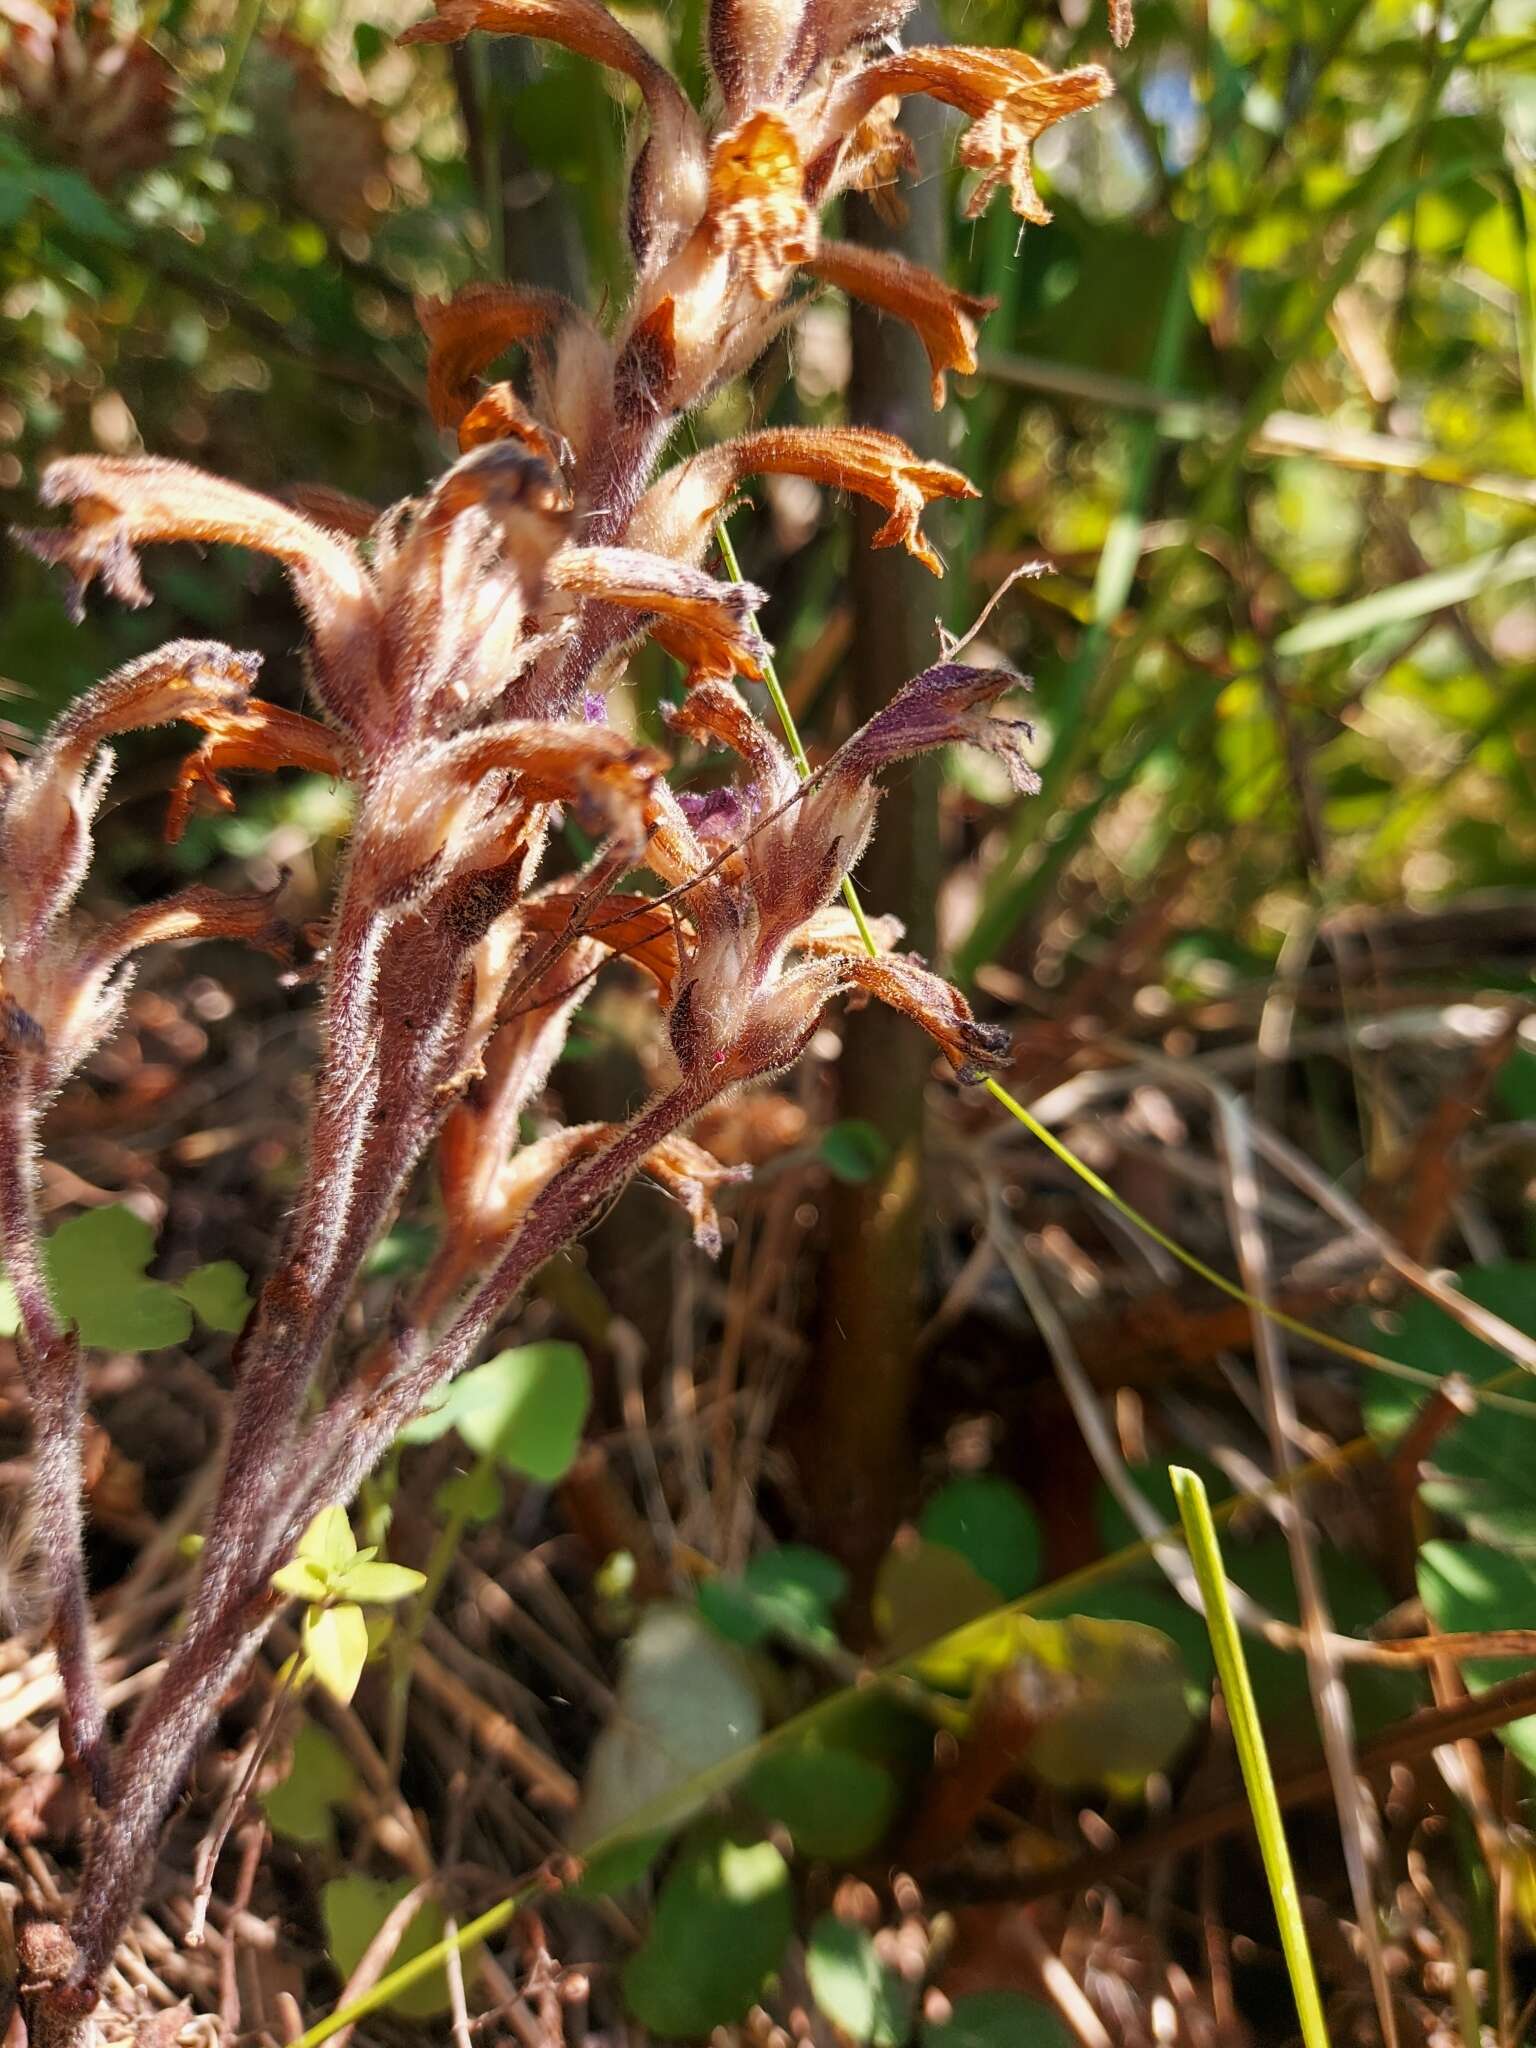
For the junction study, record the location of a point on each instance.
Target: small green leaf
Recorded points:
(1481, 1465)
(405, 1249)
(834, 1803)
(719, 1932)
(302, 1579)
(863, 1997)
(791, 1590)
(923, 1591)
(998, 2019)
(1473, 1587)
(993, 1526)
(355, 1908)
(336, 1644)
(685, 1701)
(219, 1295)
(97, 1277)
(853, 1151)
(1123, 1709)
(320, 1777)
(329, 1541)
(526, 1408)
(380, 1585)
(475, 1495)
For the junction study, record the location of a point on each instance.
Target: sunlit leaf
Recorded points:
(97, 1275)
(863, 1997)
(355, 1908)
(685, 1700)
(379, 1585)
(1474, 1587)
(718, 1934)
(526, 1408)
(336, 1644)
(329, 1540)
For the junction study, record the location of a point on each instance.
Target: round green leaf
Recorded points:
(219, 1295)
(525, 1408)
(993, 1526)
(922, 1591)
(355, 1908)
(719, 1932)
(320, 1777)
(998, 2019)
(686, 1700)
(853, 1151)
(859, 1994)
(834, 1803)
(791, 1590)
(96, 1275)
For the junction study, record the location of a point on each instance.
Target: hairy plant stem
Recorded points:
(340, 1450)
(54, 1376)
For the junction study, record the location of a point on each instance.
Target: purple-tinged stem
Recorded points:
(55, 1381)
(359, 1426)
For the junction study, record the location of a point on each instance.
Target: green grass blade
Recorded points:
(1252, 1756)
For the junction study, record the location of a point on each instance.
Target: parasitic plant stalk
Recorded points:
(460, 645)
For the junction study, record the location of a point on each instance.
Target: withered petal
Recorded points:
(946, 320)
(679, 512)
(707, 625)
(467, 332)
(260, 736)
(945, 705)
(119, 502)
(972, 1048)
(1009, 97)
(690, 1175)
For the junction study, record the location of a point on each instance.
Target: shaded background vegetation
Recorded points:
(1259, 402)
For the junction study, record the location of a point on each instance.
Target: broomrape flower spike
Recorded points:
(459, 648)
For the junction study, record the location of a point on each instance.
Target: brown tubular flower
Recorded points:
(119, 502)
(705, 624)
(758, 890)
(757, 207)
(262, 737)
(946, 321)
(677, 516)
(469, 331)
(1009, 98)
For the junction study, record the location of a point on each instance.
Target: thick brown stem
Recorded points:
(858, 1456)
(55, 1383)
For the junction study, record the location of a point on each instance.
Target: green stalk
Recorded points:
(403, 1643)
(1252, 1756)
(786, 719)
